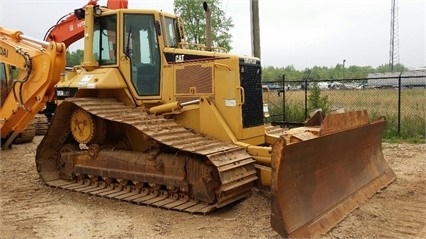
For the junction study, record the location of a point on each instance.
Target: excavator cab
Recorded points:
(4, 83)
(6, 74)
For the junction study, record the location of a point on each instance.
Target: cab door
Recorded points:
(141, 45)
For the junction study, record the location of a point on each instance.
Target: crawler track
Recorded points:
(234, 165)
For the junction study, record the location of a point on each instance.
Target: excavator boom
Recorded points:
(70, 28)
(40, 64)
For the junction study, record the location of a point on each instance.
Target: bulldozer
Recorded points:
(153, 120)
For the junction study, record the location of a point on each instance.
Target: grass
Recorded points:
(377, 102)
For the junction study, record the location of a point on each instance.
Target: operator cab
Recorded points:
(3, 82)
(139, 44)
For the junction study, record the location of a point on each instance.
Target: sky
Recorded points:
(302, 33)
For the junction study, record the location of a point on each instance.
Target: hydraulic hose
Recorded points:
(29, 67)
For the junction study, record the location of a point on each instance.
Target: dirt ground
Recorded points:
(29, 209)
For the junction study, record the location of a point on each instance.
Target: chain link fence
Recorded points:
(400, 98)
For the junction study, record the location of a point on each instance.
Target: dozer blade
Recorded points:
(316, 183)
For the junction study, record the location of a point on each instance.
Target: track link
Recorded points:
(234, 165)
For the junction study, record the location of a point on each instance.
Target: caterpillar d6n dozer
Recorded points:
(147, 119)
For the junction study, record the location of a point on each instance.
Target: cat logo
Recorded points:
(249, 61)
(4, 52)
(179, 58)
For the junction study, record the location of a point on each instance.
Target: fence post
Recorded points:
(283, 85)
(399, 103)
(306, 97)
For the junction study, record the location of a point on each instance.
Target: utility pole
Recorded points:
(344, 60)
(255, 29)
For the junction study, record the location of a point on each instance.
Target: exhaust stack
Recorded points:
(208, 26)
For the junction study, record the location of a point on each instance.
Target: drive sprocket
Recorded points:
(82, 126)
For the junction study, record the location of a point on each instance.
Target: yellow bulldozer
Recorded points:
(148, 119)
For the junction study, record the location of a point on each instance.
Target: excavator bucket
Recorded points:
(318, 181)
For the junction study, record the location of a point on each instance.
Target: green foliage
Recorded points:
(193, 16)
(14, 72)
(74, 58)
(315, 101)
(387, 68)
(294, 112)
(412, 122)
(322, 73)
(413, 128)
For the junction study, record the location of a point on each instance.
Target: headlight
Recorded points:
(62, 93)
(266, 110)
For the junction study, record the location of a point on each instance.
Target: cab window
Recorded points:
(2, 74)
(171, 33)
(105, 40)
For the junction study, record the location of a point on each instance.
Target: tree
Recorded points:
(74, 58)
(316, 101)
(322, 73)
(387, 68)
(193, 16)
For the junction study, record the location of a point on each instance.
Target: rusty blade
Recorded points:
(318, 182)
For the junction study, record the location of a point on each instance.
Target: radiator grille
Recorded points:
(250, 78)
(194, 77)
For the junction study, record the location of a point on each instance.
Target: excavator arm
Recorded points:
(70, 28)
(40, 65)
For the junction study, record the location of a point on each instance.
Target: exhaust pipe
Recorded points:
(208, 26)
